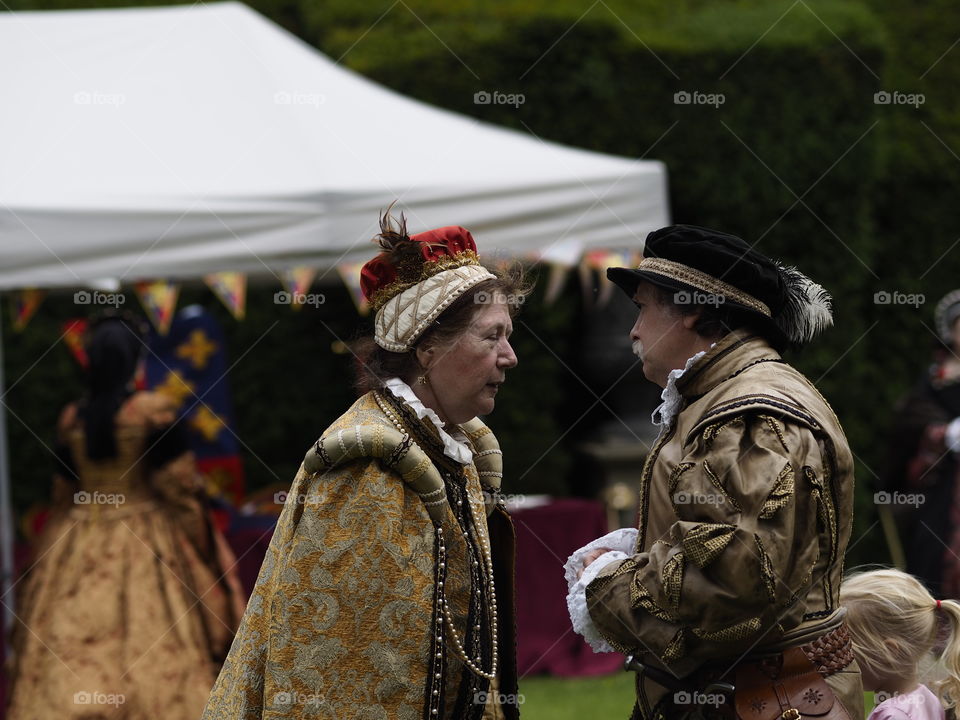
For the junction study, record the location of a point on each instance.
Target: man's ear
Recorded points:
(690, 321)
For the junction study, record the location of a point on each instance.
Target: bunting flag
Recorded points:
(296, 281)
(73, 332)
(555, 282)
(25, 304)
(189, 365)
(231, 288)
(159, 300)
(350, 274)
(594, 265)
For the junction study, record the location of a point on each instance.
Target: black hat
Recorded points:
(696, 260)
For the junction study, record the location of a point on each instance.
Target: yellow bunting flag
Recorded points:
(350, 274)
(159, 300)
(231, 288)
(25, 304)
(297, 281)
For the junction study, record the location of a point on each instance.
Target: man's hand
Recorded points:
(590, 557)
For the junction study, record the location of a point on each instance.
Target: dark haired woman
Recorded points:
(130, 605)
(387, 588)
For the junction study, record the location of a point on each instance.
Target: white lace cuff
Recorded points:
(621, 545)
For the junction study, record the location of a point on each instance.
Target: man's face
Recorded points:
(662, 338)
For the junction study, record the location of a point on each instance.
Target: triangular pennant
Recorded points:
(231, 288)
(296, 281)
(73, 331)
(556, 281)
(159, 300)
(25, 304)
(350, 274)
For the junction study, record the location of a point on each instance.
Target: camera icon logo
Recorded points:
(282, 297)
(682, 98)
(280, 498)
(482, 97)
(882, 98)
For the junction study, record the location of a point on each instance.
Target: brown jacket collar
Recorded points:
(735, 352)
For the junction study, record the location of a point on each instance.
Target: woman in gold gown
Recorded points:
(387, 590)
(131, 602)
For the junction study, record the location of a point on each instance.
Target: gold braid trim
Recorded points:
(429, 269)
(702, 281)
(781, 494)
(732, 633)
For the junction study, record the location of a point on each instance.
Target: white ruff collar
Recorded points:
(672, 399)
(452, 448)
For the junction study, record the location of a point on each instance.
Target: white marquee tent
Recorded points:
(173, 142)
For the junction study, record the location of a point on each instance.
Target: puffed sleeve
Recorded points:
(742, 548)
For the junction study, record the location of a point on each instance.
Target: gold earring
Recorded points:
(421, 380)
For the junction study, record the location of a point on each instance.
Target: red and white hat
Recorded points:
(416, 278)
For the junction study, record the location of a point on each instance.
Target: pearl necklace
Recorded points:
(472, 664)
(487, 556)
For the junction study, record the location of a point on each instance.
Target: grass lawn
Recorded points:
(596, 698)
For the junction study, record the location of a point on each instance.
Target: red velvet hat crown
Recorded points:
(413, 259)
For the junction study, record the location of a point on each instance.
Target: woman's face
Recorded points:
(463, 379)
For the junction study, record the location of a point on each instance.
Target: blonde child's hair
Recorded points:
(893, 624)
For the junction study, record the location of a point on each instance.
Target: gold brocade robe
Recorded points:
(343, 620)
(746, 508)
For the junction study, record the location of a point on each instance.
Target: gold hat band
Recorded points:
(702, 281)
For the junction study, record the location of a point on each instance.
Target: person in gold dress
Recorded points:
(130, 605)
(387, 588)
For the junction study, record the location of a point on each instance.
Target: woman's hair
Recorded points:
(894, 623)
(376, 365)
(114, 347)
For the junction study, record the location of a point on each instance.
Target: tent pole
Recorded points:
(6, 515)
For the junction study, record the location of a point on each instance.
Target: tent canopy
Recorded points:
(171, 142)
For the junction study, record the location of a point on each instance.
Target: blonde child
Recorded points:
(895, 624)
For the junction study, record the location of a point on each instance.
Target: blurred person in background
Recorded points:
(923, 467)
(387, 590)
(727, 595)
(130, 605)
